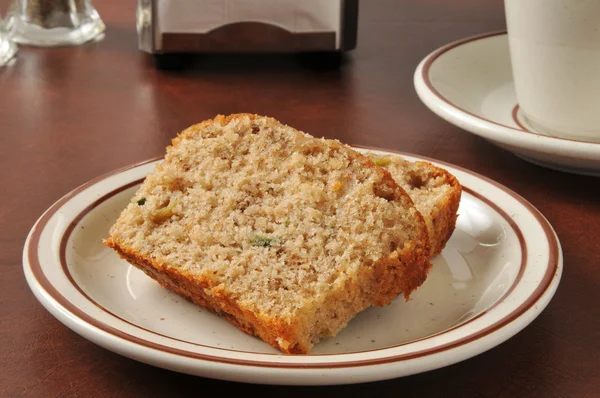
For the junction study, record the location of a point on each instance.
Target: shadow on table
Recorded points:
(257, 63)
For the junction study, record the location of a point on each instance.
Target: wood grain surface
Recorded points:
(68, 115)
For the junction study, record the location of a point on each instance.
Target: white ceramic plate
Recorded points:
(469, 83)
(499, 270)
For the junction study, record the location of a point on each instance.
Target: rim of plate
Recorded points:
(552, 272)
(447, 109)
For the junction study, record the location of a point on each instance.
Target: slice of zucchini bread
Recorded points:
(435, 192)
(285, 235)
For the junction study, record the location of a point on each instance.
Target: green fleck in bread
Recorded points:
(435, 192)
(285, 235)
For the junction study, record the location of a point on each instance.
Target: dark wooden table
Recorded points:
(68, 115)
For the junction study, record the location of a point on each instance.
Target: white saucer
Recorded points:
(469, 83)
(497, 273)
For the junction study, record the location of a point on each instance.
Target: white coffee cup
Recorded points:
(555, 56)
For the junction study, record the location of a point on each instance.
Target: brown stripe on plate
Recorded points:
(515, 116)
(67, 305)
(441, 51)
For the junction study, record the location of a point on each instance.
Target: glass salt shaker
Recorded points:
(53, 22)
(8, 48)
